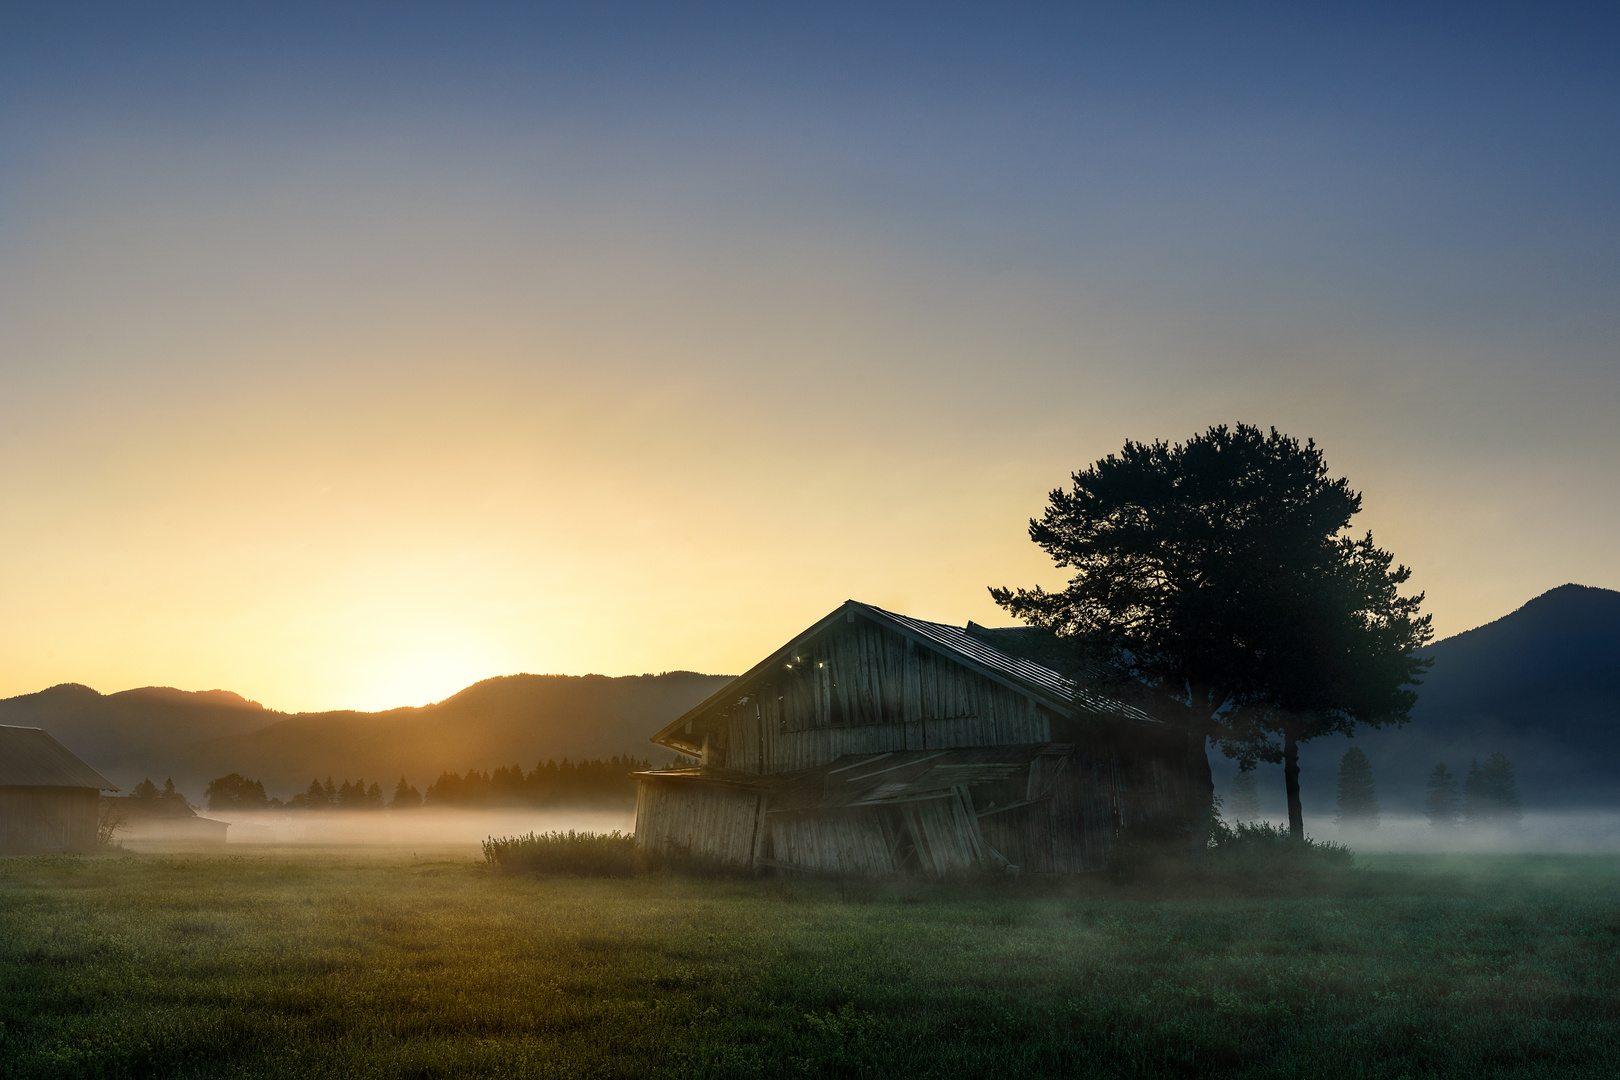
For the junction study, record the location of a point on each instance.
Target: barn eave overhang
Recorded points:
(675, 736)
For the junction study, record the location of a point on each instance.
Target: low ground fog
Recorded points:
(1569, 832)
(411, 828)
(1564, 832)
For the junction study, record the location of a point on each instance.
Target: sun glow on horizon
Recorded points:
(418, 675)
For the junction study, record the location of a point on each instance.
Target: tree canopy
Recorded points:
(1220, 573)
(235, 792)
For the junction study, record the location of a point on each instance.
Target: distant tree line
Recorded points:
(145, 800)
(235, 792)
(1488, 796)
(147, 790)
(550, 783)
(345, 796)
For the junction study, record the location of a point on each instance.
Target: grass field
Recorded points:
(391, 965)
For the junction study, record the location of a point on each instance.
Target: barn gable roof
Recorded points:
(30, 757)
(963, 645)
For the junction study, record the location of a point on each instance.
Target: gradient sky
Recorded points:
(350, 354)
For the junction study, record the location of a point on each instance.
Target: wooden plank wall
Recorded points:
(845, 841)
(865, 689)
(946, 834)
(41, 819)
(1076, 802)
(1023, 837)
(709, 821)
(1081, 815)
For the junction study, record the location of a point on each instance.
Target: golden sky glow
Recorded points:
(353, 416)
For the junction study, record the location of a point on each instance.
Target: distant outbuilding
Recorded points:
(49, 799)
(164, 817)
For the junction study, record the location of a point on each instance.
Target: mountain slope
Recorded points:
(515, 719)
(1542, 685)
(1552, 666)
(131, 721)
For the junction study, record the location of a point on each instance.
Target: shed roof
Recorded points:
(965, 645)
(30, 757)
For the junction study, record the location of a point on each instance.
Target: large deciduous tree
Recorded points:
(1220, 574)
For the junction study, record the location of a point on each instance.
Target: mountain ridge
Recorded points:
(195, 736)
(1541, 684)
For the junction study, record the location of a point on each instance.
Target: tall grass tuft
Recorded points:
(583, 854)
(1262, 846)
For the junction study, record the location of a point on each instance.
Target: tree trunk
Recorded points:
(1201, 789)
(1296, 813)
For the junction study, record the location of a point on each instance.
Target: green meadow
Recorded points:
(289, 964)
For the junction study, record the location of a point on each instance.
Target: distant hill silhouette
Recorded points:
(515, 719)
(131, 722)
(1542, 685)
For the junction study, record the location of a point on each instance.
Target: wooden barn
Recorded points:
(49, 800)
(876, 744)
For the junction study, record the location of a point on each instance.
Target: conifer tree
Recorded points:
(1491, 793)
(313, 798)
(1358, 799)
(1502, 787)
(405, 796)
(1444, 804)
(1475, 808)
(1245, 801)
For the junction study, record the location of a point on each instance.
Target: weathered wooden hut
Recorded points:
(49, 800)
(878, 744)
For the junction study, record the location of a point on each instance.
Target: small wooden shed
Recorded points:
(876, 744)
(165, 819)
(49, 799)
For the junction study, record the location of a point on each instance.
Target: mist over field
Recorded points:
(1548, 832)
(411, 829)
(1564, 832)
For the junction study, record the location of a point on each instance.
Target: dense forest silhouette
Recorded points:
(550, 783)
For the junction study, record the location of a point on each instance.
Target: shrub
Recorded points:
(109, 819)
(1262, 847)
(1243, 854)
(582, 853)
